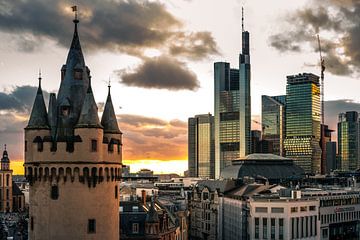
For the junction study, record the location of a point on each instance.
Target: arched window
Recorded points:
(7, 179)
(54, 192)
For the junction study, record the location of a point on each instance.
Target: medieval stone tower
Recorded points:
(73, 160)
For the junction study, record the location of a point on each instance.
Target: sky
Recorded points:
(159, 58)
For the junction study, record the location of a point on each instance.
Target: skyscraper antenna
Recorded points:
(242, 18)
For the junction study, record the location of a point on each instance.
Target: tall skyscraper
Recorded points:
(330, 156)
(273, 122)
(348, 141)
(232, 109)
(226, 117)
(73, 163)
(303, 121)
(245, 94)
(201, 146)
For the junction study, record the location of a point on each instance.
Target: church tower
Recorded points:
(6, 199)
(72, 160)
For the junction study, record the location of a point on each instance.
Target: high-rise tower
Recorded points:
(245, 94)
(201, 146)
(72, 160)
(349, 141)
(303, 121)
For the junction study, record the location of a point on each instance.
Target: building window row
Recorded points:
(303, 227)
(340, 216)
(275, 223)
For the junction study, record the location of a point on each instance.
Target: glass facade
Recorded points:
(245, 96)
(348, 141)
(227, 107)
(303, 121)
(273, 122)
(201, 146)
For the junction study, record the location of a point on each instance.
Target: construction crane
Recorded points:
(322, 63)
(322, 125)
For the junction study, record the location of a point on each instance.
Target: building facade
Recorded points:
(303, 121)
(72, 160)
(273, 122)
(279, 219)
(201, 146)
(226, 115)
(245, 95)
(330, 156)
(348, 141)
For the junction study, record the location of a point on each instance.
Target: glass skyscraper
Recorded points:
(201, 146)
(273, 122)
(245, 96)
(303, 121)
(348, 140)
(226, 117)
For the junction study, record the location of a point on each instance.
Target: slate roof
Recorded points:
(108, 119)
(38, 117)
(89, 113)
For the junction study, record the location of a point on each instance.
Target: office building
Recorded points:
(201, 146)
(273, 122)
(330, 156)
(324, 140)
(245, 94)
(72, 160)
(303, 121)
(226, 117)
(232, 108)
(348, 140)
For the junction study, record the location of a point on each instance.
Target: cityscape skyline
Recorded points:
(169, 125)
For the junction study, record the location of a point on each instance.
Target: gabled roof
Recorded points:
(38, 117)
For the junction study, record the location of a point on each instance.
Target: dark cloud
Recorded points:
(124, 26)
(20, 99)
(338, 25)
(161, 73)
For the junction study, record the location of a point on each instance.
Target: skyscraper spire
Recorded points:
(242, 19)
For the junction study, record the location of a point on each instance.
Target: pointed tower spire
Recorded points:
(73, 87)
(5, 161)
(89, 113)
(242, 19)
(108, 120)
(38, 117)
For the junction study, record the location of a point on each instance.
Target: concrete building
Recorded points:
(72, 160)
(273, 122)
(303, 121)
(201, 146)
(348, 141)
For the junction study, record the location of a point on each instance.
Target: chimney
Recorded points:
(143, 196)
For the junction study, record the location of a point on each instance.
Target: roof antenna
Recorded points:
(242, 18)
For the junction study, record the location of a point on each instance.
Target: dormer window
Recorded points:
(78, 74)
(65, 110)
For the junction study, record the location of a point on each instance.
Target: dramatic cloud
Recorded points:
(124, 26)
(194, 46)
(337, 22)
(20, 99)
(153, 138)
(161, 73)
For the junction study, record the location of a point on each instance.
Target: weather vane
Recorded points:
(74, 9)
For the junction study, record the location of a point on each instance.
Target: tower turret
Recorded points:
(108, 119)
(38, 117)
